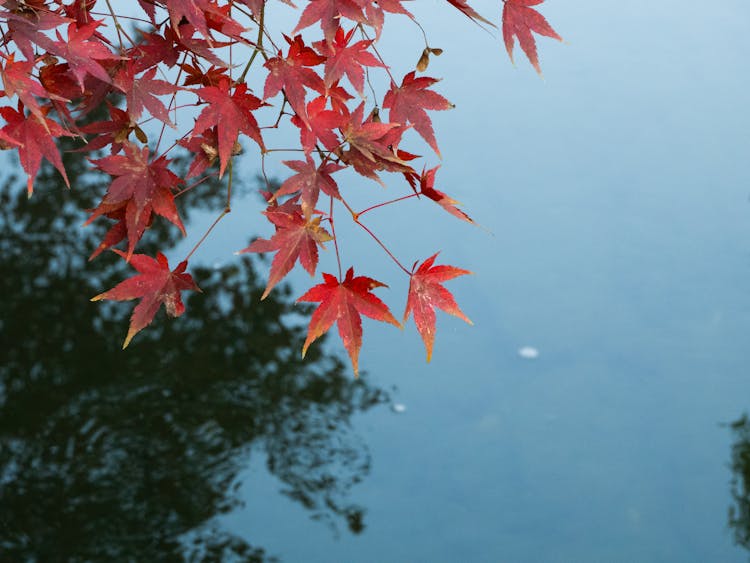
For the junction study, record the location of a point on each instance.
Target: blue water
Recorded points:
(615, 193)
(613, 199)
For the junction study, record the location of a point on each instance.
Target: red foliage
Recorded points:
(519, 20)
(343, 302)
(155, 285)
(426, 293)
(60, 62)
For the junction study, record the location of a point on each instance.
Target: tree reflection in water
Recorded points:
(739, 513)
(108, 455)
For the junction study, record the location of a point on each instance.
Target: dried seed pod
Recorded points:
(424, 60)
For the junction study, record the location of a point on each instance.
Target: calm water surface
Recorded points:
(614, 197)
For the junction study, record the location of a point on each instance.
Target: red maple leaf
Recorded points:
(116, 232)
(114, 131)
(329, 14)
(58, 82)
(426, 187)
(155, 284)
(141, 187)
(469, 12)
(82, 54)
(291, 74)
(343, 303)
(519, 20)
(296, 238)
(426, 293)
(221, 20)
(36, 140)
(408, 103)
(320, 126)
(372, 145)
(342, 58)
(80, 12)
(206, 150)
(27, 20)
(170, 46)
(232, 114)
(196, 75)
(339, 98)
(141, 92)
(310, 179)
(194, 11)
(17, 81)
(376, 16)
(153, 49)
(150, 9)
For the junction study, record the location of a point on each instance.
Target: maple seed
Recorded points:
(424, 60)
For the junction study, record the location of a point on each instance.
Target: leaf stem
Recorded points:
(118, 28)
(386, 203)
(196, 184)
(258, 44)
(205, 235)
(227, 210)
(383, 246)
(375, 50)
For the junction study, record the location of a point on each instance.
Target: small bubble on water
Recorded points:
(528, 353)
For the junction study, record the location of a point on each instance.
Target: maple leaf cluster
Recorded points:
(149, 61)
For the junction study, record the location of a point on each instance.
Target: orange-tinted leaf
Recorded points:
(196, 75)
(343, 303)
(520, 20)
(155, 284)
(426, 293)
(373, 145)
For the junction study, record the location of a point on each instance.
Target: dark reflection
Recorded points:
(108, 455)
(739, 512)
